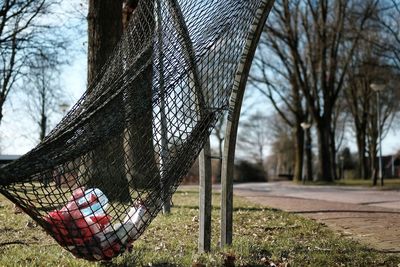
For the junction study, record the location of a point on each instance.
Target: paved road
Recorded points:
(369, 215)
(342, 194)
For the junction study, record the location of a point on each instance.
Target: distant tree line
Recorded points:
(315, 64)
(33, 43)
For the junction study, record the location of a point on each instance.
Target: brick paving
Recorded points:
(367, 215)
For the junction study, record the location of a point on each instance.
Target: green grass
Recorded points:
(261, 236)
(388, 183)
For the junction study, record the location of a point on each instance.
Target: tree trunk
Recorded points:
(43, 126)
(373, 162)
(139, 135)
(2, 100)
(362, 160)
(43, 117)
(325, 164)
(299, 154)
(333, 154)
(105, 30)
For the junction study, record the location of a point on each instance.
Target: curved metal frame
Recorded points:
(235, 105)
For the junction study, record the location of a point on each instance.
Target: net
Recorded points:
(100, 177)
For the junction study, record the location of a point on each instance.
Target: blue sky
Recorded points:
(18, 133)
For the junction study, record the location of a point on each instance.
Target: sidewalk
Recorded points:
(370, 216)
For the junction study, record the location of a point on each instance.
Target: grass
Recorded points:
(261, 236)
(388, 183)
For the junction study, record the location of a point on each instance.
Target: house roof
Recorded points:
(9, 157)
(387, 160)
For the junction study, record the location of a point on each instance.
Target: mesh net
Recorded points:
(101, 176)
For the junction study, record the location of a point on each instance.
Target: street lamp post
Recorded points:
(306, 128)
(63, 107)
(378, 88)
(341, 167)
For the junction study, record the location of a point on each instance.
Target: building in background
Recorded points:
(4, 159)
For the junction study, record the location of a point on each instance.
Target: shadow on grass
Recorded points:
(345, 211)
(130, 263)
(15, 243)
(234, 209)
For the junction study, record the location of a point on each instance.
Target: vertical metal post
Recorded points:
(227, 177)
(380, 138)
(307, 151)
(378, 87)
(205, 192)
(304, 166)
(164, 125)
(309, 157)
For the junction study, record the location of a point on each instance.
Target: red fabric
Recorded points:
(71, 229)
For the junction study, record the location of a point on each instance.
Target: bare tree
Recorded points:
(104, 30)
(44, 93)
(340, 117)
(361, 102)
(139, 134)
(107, 19)
(388, 108)
(282, 146)
(105, 27)
(317, 40)
(254, 136)
(219, 134)
(23, 34)
(372, 61)
(389, 42)
(275, 78)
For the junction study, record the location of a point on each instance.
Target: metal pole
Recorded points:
(163, 117)
(303, 173)
(307, 152)
(309, 157)
(205, 199)
(380, 138)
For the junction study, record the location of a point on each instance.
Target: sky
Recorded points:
(18, 132)
(19, 135)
